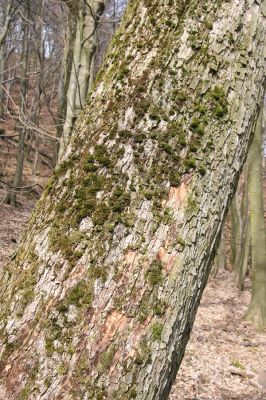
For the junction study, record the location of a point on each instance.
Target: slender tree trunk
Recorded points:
(257, 309)
(11, 198)
(101, 296)
(2, 69)
(220, 256)
(73, 84)
(245, 256)
(244, 245)
(64, 81)
(240, 229)
(236, 229)
(85, 80)
(82, 66)
(38, 87)
(86, 56)
(6, 17)
(35, 120)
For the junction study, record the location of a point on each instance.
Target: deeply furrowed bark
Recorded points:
(101, 296)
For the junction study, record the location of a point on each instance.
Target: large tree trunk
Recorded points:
(101, 296)
(257, 309)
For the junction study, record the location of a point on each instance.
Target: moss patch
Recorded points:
(80, 295)
(155, 275)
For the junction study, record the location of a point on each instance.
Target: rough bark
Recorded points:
(100, 298)
(257, 309)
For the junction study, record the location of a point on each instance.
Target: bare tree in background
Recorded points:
(240, 228)
(30, 86)
(7, 12)
(87, 15)
(11, 198)
(257, 308)
(59, 74)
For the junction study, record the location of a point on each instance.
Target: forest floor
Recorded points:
(225, 357)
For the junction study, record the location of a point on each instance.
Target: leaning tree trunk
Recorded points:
(257, 308)
(100, 298)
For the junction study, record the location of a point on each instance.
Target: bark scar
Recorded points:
(177, 196)
(116, 322)
(166, 259)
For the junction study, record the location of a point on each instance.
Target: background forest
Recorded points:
(50, 53)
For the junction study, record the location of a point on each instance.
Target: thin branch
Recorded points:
(18, 189)
(22, 118)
